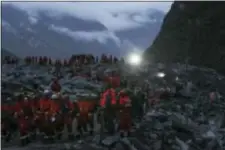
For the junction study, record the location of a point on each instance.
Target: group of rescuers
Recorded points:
(51, 113)
(77, 59)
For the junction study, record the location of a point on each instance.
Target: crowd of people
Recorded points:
(50, 112)
(77, 59)
(10, 60)
(47, 114)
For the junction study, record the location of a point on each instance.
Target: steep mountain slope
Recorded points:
(145, 35)
(51, 35)
(192, 31)
(5, 52)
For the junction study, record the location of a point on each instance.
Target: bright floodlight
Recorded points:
(134, 59)
(161, 74)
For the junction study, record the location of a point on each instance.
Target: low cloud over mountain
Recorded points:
(41, 28)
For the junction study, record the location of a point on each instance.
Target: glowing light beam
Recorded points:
(161, 74)
(134, 59)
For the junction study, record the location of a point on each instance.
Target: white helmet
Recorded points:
(54, 96)
(46, 91)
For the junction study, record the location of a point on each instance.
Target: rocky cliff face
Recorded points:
(193, 31)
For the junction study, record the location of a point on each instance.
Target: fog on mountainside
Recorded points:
(62, 35)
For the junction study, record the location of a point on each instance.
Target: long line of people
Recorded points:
(9, 60)
(75, 59)
(50, 113)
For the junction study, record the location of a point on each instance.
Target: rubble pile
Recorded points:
(188, 120)
(33, 79)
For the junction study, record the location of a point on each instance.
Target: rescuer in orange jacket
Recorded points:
(8, 123)
(108, 103)
(108, 97)
(82, 117)
(45, 104)
(57, 120)
(22, 111)
(85, 116)
(125, 120)
(27, 106)
(68, 108)
(24, 130)
(44, 116)
(33, 121)
(123, 98)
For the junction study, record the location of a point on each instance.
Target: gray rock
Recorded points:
(108, 141)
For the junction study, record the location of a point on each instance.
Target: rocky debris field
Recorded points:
(185, 121)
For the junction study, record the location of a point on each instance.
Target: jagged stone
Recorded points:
(190, 35)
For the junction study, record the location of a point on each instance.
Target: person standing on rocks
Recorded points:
(45, 107)
(84, 117)
(108, 103)
(8, 122)
(55, 86)
(137, 101)
(57, 115)
(67, 112)
(125, 118)
(22, 111)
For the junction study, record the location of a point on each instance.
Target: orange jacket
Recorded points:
(45, 104)
(123, 99)
(17, 107)
(55, 108)
(70, 105)
(104, 96)
(85, 106)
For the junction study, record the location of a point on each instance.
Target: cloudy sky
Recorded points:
(115, 16)
(100, 11)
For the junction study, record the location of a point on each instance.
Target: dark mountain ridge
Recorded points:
(193, 32)
(5, 52)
